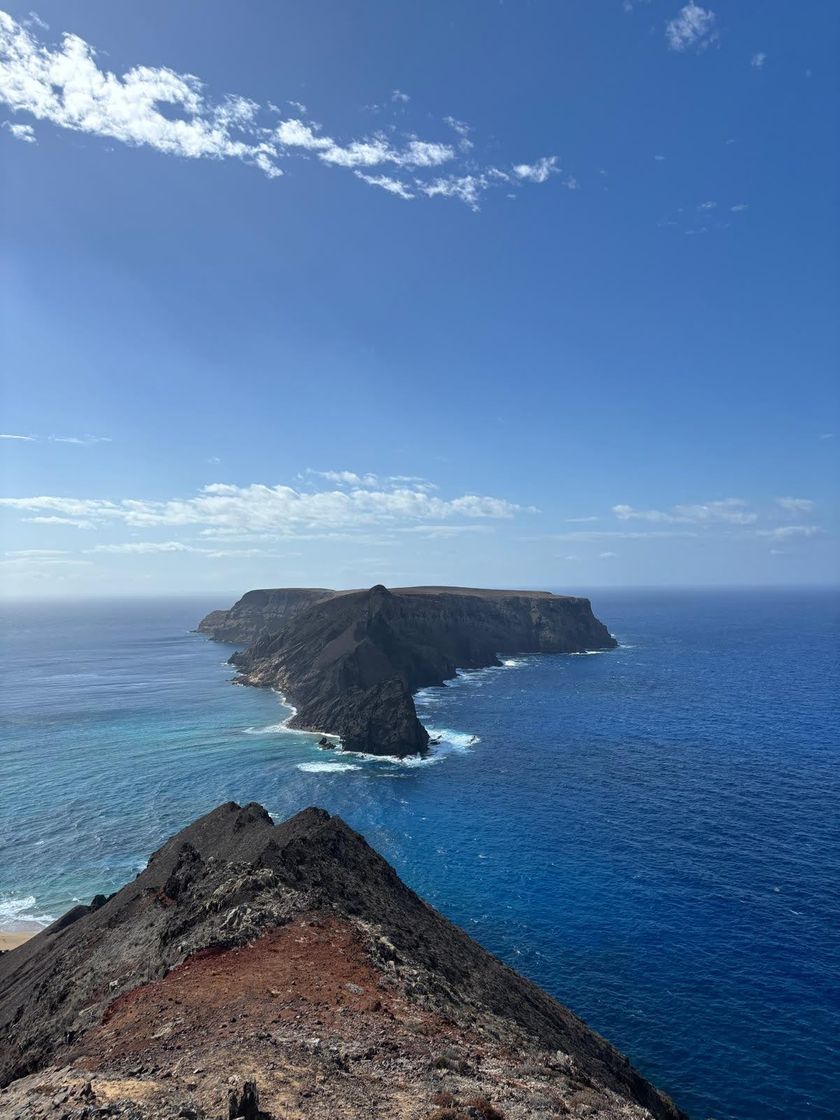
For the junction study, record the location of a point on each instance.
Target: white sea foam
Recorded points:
(460, 740)
(19, 914)
(326, 767)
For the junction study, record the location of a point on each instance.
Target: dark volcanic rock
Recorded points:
(258, 612)
(242, 947)
(350, 663)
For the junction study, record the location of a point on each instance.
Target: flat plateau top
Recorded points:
(482, 592)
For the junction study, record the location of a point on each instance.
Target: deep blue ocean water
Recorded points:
(652, 834)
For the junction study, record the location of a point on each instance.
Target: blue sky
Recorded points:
(536, 294)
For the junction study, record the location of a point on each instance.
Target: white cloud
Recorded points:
(140, 547)
(35, 20)
(393, 186)
(595, 535)
(435, 532)
(758, 59)
(82, 441)
(274, 510)
(37, 552)
(399, 96)
(783, 532)
(694, 28)
(607, 555)
(573, 520)
(370, 152)
(53, 520)
(739, 207)
(796, 505)
(461, 127)
(539, 171)
(66, 86)
(158, 108)
(346, 478)
(707, 206)
(31, 561)
(729, 510)
(467, 188)
(24, 132)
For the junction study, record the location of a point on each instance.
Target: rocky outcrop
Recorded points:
(350, 663)
(260, 612)
(289, 968)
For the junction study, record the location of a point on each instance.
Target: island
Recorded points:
(349, 662)
(261, 971)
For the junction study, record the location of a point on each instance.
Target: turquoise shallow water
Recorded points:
(652, 834)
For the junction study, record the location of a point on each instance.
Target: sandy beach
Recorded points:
(12, 940)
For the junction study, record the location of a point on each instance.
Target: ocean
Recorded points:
(652, 833)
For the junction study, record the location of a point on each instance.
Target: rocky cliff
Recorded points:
(351, 662)
(259, 612)
(255, 970)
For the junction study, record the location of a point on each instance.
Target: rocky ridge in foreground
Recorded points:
(255, 970)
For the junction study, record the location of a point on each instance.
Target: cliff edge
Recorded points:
(255, 970)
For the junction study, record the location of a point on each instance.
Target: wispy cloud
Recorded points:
(55, 520)
(274, 510)
(369, 480)
(172, 113)
(796, 505)
(142, 547)
(539, 171)
(784, 532)
(24, 132)
(703, 217)
(387, 183)
(595, 535)
(694, 28)
(730, 511)
(36, 552)
(758, 59)
(83, 441)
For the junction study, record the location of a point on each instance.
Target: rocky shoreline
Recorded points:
(350, 662)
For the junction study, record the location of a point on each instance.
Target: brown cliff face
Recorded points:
(293, 958)
(350, 663)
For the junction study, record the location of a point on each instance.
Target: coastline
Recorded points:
(13, 940)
